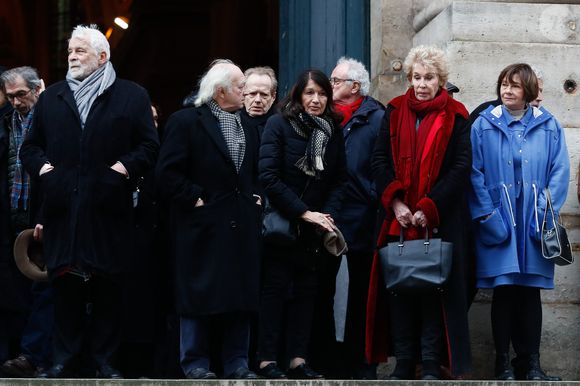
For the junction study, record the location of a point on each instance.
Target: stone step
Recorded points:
(184, 382)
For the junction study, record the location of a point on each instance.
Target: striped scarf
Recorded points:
(318, 132)
(87, 90)
(21, 183)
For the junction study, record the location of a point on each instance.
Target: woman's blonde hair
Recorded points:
(429, 56)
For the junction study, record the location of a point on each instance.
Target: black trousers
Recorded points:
(86, 312)
(287, 302)
(516, 317)
(416, 326)
(359, 271)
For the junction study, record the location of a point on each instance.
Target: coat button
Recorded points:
(233, 224)
(76, 190)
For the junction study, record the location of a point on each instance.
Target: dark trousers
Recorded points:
(325, 353)
(287, 303)
(36, 342)
(86, 312)
(516, 316)
(359, 271)
(195, 340)
(416, 322)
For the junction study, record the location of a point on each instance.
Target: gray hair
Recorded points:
(29, 74)
(96, 39)
(357, 72)
(265, 70)
(428, 56)
(538, 72)
(215, 77)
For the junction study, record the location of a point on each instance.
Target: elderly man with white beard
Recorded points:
(91, 139)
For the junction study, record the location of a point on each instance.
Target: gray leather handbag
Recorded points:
(416, 265)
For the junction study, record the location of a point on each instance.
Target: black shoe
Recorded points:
(302, 371)
(405, 369)
(243, 373)
(200, 373)
(20, 367)
(431, 370)
(56, 371)
(535, 372)
(365, 371)
(271, 371)
(503, 369)
(520, 364)
(108, 372)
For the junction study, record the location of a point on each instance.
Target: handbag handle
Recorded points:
(401, 244)
(545, 221)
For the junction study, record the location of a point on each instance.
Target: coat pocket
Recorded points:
(56, 192)
(492, 230)
(112, 192)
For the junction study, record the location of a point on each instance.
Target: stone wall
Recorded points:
(481, 38)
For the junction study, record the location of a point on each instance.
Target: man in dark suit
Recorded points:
(91, 138)
(207, 171)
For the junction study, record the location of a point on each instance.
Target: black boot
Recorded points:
(521, 365)
(431, 370)
(503, 369)
(535, 372)
(405, 369)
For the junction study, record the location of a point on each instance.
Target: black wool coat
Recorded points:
(284, 183)
(217, 245)
(87, 207)
(14, 287)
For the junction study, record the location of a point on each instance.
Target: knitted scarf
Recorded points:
(231, 127)
(418, 152)
(318, 131)
(348, 110)
(87, 90)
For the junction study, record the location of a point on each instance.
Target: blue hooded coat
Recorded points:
(502, 220)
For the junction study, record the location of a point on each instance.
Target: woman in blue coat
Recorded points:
(518, 151)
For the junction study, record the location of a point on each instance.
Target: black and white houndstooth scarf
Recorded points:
(233, 132)
(318, 131)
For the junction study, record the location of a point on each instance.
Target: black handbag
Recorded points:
(416, 265)
(555, 243)
(276, 228)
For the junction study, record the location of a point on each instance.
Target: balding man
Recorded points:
(207, 172)
(91, 139)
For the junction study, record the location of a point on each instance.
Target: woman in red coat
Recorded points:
(421, 164)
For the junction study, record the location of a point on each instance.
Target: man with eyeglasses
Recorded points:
(362, 119)
(259, 95)
(21, 87)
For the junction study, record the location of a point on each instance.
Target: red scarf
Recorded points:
(418, 153)
(348, 110)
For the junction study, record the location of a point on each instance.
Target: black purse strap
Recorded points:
(402, 240)
(550, 208)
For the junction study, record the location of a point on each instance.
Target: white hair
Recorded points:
(357, 72)
(217, 76)
(96, 39)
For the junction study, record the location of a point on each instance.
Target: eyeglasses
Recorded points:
(336, 81)
(19, 95)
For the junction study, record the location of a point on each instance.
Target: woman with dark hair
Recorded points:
(518, 151)
(302, 170)
(421, 165)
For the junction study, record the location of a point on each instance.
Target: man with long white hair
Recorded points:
(207, 171)
(91, 139)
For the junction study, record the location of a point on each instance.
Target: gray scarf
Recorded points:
(87, 90)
